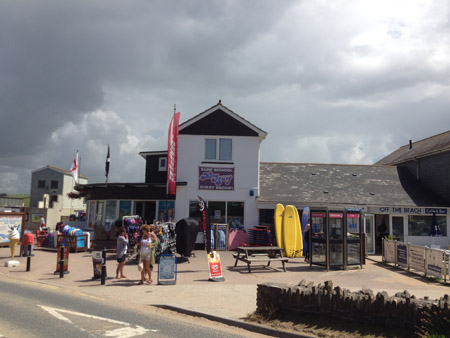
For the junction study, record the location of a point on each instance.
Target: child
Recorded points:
(148, 242)
(122, 248)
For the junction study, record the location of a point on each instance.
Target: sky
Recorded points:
(338, 81)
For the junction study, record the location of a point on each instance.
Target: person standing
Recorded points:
(147, 254)
(121, 250)
(307, 232)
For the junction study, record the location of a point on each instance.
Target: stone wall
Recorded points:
(400, 310)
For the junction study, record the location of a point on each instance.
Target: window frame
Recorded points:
(39, 185)
(162, 167)
(218, 148)
(52, 182)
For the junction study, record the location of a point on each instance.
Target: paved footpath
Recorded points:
(232, 299)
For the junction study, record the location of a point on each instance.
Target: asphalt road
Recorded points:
(37, 310)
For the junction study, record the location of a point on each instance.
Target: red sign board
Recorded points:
(353, 215)
(318, 214)
(215, 268)
(335, 215)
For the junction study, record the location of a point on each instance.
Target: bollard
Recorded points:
(29, 258)
(61, 263)
(103, 266)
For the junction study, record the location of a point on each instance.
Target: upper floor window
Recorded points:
(41, 184)
(218, 149)
(162, 164)
(54, 184)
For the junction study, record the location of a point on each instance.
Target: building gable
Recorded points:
(430, 146)
(219, 120)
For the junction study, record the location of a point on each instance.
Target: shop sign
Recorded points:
(353, 215)
(215, 267)
(435, 262)
(8, 222)
(318, 214)
(402, 255)
(215, 178)
(335, 215)
(417, 258)
(167, 269)
(407, 210)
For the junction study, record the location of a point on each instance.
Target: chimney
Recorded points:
(410, 144)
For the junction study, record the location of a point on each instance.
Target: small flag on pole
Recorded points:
(74, 169)
(108, 160)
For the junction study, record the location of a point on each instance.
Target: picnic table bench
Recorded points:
(259, 254)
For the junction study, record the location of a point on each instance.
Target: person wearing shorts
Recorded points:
(122, 248)
(148, 242)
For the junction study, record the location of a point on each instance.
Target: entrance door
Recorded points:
(398, 231)
(369, 229)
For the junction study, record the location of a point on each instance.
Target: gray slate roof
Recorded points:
(426, 147)
(341, 185)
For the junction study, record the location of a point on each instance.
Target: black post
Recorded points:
(103, 266)
(61, 263)
(29, 258)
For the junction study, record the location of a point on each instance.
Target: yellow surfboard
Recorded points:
(292, 233)
(278, 220)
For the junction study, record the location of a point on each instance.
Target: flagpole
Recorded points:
(79, 161)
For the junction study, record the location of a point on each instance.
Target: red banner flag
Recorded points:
(172, 152)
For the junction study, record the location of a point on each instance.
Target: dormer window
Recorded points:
(218, 149)
(162, 164)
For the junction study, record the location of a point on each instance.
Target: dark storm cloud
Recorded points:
(330, 81)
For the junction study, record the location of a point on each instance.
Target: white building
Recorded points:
(48, 196)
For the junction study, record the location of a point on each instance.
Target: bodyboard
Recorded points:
(292, 234)
(298, 252)
(278, 220)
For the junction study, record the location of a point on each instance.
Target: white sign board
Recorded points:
(6, 223)
(417, 258)
(435, 263)
(389, 251)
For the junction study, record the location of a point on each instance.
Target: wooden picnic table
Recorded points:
(259, 254)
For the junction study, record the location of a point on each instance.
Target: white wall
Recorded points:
(245, 158)
(72, 204)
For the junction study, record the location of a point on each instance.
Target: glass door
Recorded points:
(369, 229)
(336, 237)
(398, 231)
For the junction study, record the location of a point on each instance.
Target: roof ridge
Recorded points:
(329, 164)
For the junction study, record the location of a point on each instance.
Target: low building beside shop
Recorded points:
(49, 198)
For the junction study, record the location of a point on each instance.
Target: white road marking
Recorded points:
(126, 331)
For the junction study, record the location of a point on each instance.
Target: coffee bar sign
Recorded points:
(407, 210)
(215, 178)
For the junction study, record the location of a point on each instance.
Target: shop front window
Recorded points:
(166, 211)
(99, 213)
(91, 213)
(217, 211)
(419, 225)
(235, 214)
(124, 209)
(266, 216)
(110, 214)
